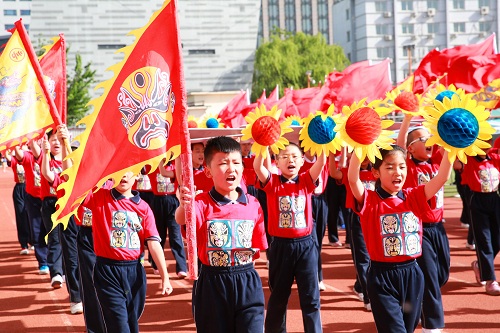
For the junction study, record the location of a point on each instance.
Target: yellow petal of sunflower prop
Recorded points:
(192, 122)
(404, 101)
(440, 92)
(263, 127)
(210, 120)
(458, 125)
(295, 120)
(361, 129)
(318, 135)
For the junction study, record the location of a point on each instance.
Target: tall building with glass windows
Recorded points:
(406, 30)
(11, 11)
(307, 16)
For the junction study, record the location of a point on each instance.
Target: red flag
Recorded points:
(370, 82)
(286, 105)
(231, 115)
(262, 97)
(356, 65)
(473, 73)
(437, 63)
(273, 98)
(53, 64)
(26, 107)
(140, 118)
(324, 98)
(302, 99)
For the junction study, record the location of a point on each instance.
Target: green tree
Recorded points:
(78, 94)
(286, 58)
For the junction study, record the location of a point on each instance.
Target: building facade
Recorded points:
(11, 11)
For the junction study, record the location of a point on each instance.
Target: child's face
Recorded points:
(197, 155)
(226, 171)
(417, 146)
(392, 172)
(55, 145)
(289, 161)
(245, 148)
(126, 183)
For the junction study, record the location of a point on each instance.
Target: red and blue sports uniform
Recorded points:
(19, 197)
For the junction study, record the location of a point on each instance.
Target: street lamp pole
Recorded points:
(308, 73)
(409, 49)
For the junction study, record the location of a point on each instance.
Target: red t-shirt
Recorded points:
(481, 175)
(419, 173)
(120, 225)
(32, 173)
(201, 181)
(162, 185)
(18, 171)
(289, 205)
(249, 175)
(229, 233)
(49, 190)
(367, 178)
(392, 225)
(323, 176)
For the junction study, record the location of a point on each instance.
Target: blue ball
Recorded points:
(295, 123)
(212, 123)
(447, 93)
(458, 127)
(321, 132)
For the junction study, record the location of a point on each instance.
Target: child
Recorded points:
(201, 181)
(481, 175)
(422, 165)
(391, 219)
(293, 253)
(121, 223)
(228, 295)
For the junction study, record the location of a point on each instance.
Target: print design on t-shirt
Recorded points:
(20, 173)
(125, 227)
(424, 178)
(489, 179)
(400, 239)
(228, 238)
(292, 212)
(87, 217)
(56, 170)
(37, 179)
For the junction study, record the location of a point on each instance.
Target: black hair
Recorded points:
(385, 152)
(197, 143)
(292, 144)
(50, 133)
(220, 144)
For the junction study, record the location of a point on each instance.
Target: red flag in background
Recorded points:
(231, 115)
(273, 98)
(53, 64)
(262, 97)
(437, 63)
(356, 65)
(302, 100)
(473, 73)
(139, 117)
(26, 107)
(286, 105)
(370, 82)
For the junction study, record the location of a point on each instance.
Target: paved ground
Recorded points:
(29, 304)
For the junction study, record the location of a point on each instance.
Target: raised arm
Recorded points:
(333, 170)
(260, 169)
(317, 167)
(35, 148)
(403, 131)
(354, 181)
(63, 136)
(45, 164)
(436, 183)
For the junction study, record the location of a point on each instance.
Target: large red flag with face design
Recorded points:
(139, 117)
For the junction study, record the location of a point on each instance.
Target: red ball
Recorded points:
(266, 131)
(192, 124)
(364, 126)
(407, 101)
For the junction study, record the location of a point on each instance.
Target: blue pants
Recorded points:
(121, 291)
(86, 262)
(435, 265)
(485, 215)
(288, 259)
(336, 194)
(70, 260)
(22, 222)
(360, 255)
(320, 216)
(395, 291)
(38, 232)
(163, 207)
(228, 299)
(54, 255)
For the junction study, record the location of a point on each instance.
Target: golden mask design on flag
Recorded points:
(146, 102)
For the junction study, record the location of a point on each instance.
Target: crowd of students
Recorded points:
(246, 205)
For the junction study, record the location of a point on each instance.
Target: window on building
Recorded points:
(110, 46)
(380, 6)
(9, 0)
(306, 8)
(201, 51)
(27, 26)
(382, 52)
(10, 12)
(349, 56)
(25, 12)
(485, 26)
(274, 14)
(348, 36)
(407, 5)
(407, 28)
(459, 27)
(433, 28)
(381, 29)
(483, 3)
(432, 4)
(290, 16)
(458, 4)
(323, 19)
(9, 26)
(260, 30)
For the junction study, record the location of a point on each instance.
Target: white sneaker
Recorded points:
(24, 252)
(431, 330)
(321, 286)
(57, 281)
(368, 307)
(464, 225)
(358, 295)
(76, 308)
(471, 247)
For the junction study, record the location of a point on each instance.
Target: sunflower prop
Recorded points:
(459, 125)
(192, 122)
(265, 130)
(295, 120)
(440, 92)
(360, 127)
(318, 135)
(210, 120)
(403, 100)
